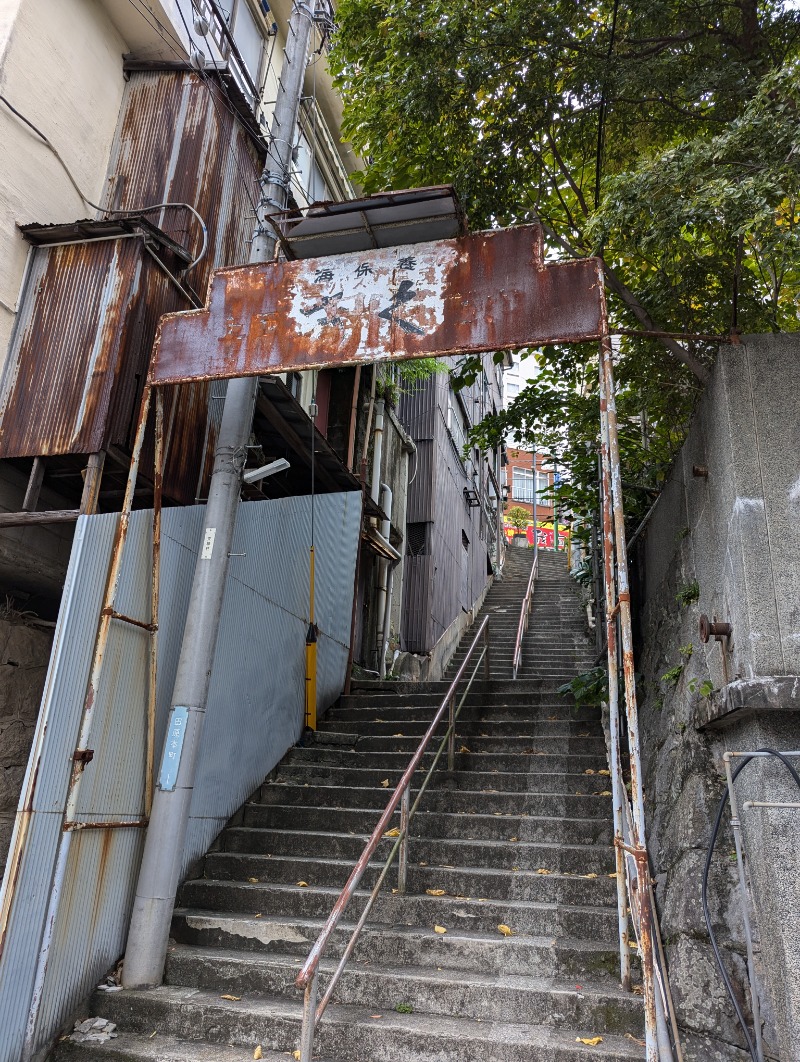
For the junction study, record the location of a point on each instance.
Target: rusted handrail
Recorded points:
(308, 976)
(524, 613)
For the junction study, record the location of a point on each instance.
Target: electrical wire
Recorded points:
(704, 890)
(151, 209)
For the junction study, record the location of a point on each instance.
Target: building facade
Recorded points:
(531, 477)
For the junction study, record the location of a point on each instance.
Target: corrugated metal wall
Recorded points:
(255, 713)
(448, 578)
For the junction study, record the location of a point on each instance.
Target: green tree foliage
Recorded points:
(518, 517)
(662, 135)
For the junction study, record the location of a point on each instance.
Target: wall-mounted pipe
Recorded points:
(382, 598)
(377, 453)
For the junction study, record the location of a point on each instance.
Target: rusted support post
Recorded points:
(309, 1020)
(617, 790)
(79, 758)
(155, 586)
(623, 605)
(31, 499)
(92, 477)
(405, 822)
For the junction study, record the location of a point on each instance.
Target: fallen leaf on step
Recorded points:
(630, 1036)
(613, 875)
(301, 884)
(398, 735)
(378, 720)
(439, 929)
(541, 870)
(552, 718)
(436, 892)
(259, 915)
(385, 783)
(234, 999)
(589, 771)
(515, 870)
(422, 863)
(463, 749)
(505, 930)
(395, 892)
(513, 839)
(633, 944)
(297, 1055)
(606, 773)
(606, 792)
(258, 1053)
(637, 990)
(590, 875)
(376, 1015)
(392, 833)
(593, 1042)
(253, 881)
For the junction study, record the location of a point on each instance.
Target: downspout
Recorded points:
(377, 452)
(384, 598)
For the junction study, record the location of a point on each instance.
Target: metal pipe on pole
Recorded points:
(163, 854)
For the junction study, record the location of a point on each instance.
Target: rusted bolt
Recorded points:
(700, 471)
(718, 630)
(83, 756)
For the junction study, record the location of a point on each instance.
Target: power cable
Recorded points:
(150, 209)
(704, 890)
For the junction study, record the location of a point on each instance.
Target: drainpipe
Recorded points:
(384, 595)
(377, 452)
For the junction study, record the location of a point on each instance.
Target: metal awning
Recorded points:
(386, 219)
(89, 230)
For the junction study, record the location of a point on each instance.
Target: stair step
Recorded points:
(354, 1032)
(475, 827)
(384, 944)
(501, 852)
(577, 804)
(534, 917)
(130, 1047)
(452, 993)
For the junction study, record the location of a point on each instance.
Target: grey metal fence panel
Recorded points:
(255, 712)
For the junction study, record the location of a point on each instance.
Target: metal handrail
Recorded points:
(524, 613)
(308, 977)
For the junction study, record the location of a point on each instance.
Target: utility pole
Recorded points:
(166, 834)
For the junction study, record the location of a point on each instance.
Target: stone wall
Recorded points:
(24, 655)
(724, 540)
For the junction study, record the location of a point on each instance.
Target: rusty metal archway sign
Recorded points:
(477, 293)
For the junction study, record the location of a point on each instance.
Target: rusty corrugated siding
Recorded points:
(79, 355)
(85, 332)
(178, 141)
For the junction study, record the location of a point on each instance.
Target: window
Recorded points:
(417, 539)
(522, 485)
(455, 424)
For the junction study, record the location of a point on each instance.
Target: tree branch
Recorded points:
(639, 312)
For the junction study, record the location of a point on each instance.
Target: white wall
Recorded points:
(62, 69)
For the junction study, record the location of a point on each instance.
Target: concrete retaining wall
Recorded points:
(727, 544)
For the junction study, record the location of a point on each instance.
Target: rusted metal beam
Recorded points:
(31, 498)
(488, 291)
(51, 516)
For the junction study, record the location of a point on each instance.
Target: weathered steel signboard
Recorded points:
(488, 291)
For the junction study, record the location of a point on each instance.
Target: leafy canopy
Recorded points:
(664, 136)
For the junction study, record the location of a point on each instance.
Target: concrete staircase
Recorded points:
(518, 836)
